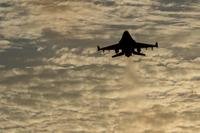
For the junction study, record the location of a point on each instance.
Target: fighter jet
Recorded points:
(128, 46)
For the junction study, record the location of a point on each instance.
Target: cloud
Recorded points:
(53, 78)
(4, 44)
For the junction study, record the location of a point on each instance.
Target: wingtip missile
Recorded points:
(156, 45)
(98, 48)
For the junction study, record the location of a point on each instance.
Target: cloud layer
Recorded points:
(53, 80)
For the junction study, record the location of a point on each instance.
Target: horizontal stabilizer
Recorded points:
(119, 54)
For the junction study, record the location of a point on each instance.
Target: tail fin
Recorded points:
(98, 48)
(156, 45)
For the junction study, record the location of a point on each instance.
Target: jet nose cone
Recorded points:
(126, 32)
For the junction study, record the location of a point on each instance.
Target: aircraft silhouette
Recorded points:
(127, 46)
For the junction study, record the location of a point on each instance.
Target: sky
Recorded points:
(54, 80)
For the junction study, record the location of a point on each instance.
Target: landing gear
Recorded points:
(128, 54)
(116, 51)
(138, 50)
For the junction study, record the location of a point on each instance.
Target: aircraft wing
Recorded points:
(145, 45)
(111, 47)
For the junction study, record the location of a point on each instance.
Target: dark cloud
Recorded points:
(52, 78)
(105, 3)
(20, 55)
(5, 5)
(186, 53)
(182, 2)
(175, 6)
(196, 78)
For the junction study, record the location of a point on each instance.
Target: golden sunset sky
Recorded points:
(54, 80)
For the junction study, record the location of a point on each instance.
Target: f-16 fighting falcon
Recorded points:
(128, 46)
